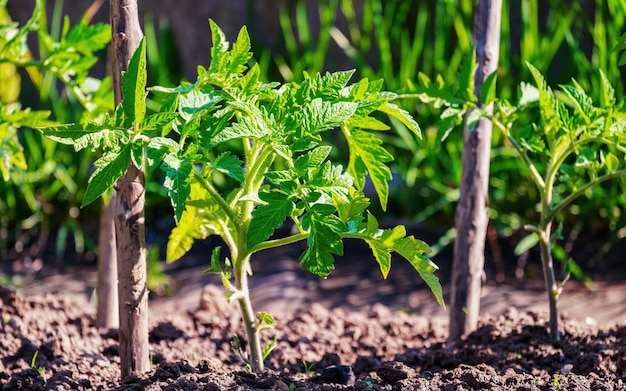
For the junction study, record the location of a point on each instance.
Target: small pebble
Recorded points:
(567, 368)
(281, 386)
(392, 372)
(340, 374)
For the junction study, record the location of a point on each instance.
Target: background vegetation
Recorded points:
(40, 219)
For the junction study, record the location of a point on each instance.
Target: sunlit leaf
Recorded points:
(110, 167)
(324, 240)
(177, 181)
(134, 87)
(269, 216)
(367, 156)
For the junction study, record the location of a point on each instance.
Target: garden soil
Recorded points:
(351, 331)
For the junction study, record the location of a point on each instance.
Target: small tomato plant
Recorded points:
(242, 157)
(569, 147)
(574, 146)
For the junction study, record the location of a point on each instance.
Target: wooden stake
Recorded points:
(129, 213)
(472, 214)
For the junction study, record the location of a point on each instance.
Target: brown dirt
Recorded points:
(343, 333)
(378, 349)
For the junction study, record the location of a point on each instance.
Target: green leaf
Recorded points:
(330, 179)
(216, 267)
(323, 241)
(622, 60)
(268, 217)
(137, 153)
(334, 81)
(466, 77)
(612, 162)
(350, 209)
(86, 135)
(587, 156)
(368, 156)
(403, 116)
(134, 87)
(451, 117)
(547, 101)
(384, 242)
(382, 245)
(16, 47)
(220, 46)
(158, 147)
(474, 116)
(157, 121)
(426, 269)
(583, 104)
(526, 244)
(14, 115)
(182, 237)
(240, 54)
(264, 318)
(87, 38)
(320, 115)
(488, 89)
(368, 123)
(11, 152)
(413, 250)
(230, 165)
(191, 127)
(178, 175)
(200, 219)
(607, 98)
(529, 94)
(437, 93)
(245, 128)
(109, 168)
(311, 160)
(621, 43)
(327, 86)
(195, 102)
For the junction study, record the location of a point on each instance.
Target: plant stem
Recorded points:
(218, 198)
(545, 243)
(280, 242)
(241, 283)
(550, 279)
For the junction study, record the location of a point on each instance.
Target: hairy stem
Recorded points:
(247, 314)
(550, 279)
(545, 244)
(279, 242)
(218, 198)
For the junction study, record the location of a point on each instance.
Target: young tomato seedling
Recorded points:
(247, 156)
(574, 146)
(571, 146)
(242, 157)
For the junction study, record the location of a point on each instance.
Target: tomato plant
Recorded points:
(242, 157)
(569, 146)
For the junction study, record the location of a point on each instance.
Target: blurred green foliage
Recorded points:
(42, 181)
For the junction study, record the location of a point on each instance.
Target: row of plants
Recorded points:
(242, 156)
